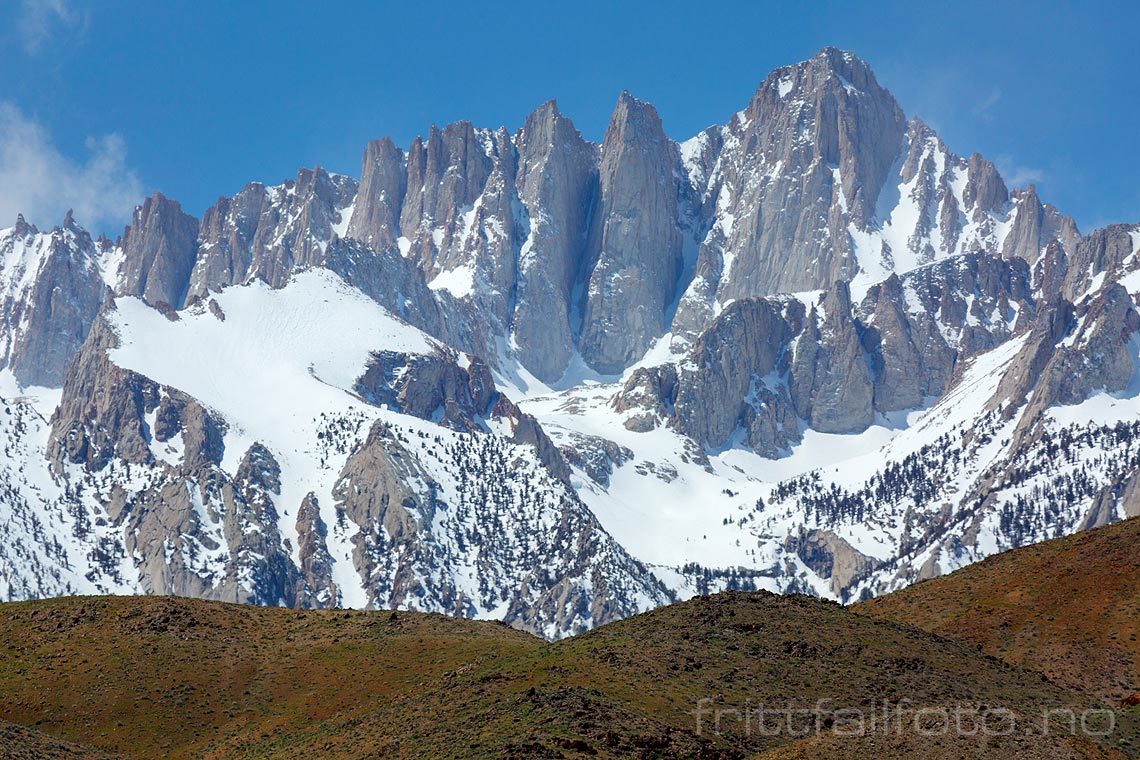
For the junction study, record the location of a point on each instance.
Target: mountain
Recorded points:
(1066, 607)
(527, 377)
(170, 677)
(161, 463)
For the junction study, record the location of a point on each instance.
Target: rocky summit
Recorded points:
(525, 377)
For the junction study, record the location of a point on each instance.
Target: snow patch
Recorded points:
(460, 282)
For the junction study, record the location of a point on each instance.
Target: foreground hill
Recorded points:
(1069, 608)
(23, 743)
(168, 677)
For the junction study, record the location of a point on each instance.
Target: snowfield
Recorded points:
(273, 364)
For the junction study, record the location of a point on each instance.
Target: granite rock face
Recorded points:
(1081, 350)
(635, 245)
(538, 247)
(267, 233)
(1104, 253)
(542, 249)
(916, 328)
(159, 249)
(557, 182)
(648, 397)
(457, 392)
(314, 563)
(1035, 225)
(831, 557)
(50, 291)
(766, 368)
(831, 383)
(102, 410)
(398, 285)
(821, 180)
(446, 175)
(430, 386)
(598, 457)
(817, 138)
(735, 367)
(375, 217)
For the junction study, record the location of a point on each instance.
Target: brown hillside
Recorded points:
(159, 677)
(23, 743)
(1069, 608)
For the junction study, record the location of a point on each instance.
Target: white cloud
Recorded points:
(1023, 175)
(40, 18)
(40, 182)
(1016, 175)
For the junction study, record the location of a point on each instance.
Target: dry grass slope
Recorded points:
(1069, 608)
(23, 743)
(165, 677)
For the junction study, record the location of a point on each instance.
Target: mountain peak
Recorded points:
(918, 128)
(548, 108)
(547, 114)
(831, 72)
(384, 144)
(853, 73)
(631, 111)
(627, 101)
(22, 227)
(836, 58)
(818, 263)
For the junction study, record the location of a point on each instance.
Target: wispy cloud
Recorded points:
(1018, 175)
(41, 19)
(36, 179)
(984, 107)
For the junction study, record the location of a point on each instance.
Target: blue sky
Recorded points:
(102, 101)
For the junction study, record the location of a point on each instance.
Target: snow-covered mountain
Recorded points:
(528, 377)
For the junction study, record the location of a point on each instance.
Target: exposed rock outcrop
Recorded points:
(807, 157)
(831, 383)
(594, 455)
(430, 386)
(543, 557)
(102, 411)
(159, 249)
(830, 557)
(1096, 355)
(556, 183)
(916, 328)
(734, 377)
(267, 233)
(383, 182)
(1035, 225)
(635, 243)
(315, 564)
(50, 292)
